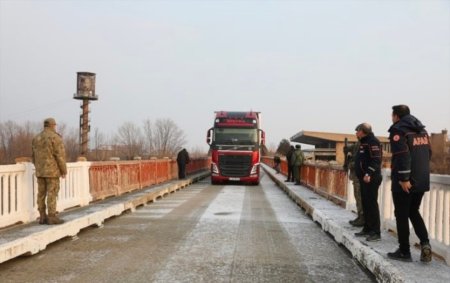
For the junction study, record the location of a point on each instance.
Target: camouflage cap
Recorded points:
(49, 121)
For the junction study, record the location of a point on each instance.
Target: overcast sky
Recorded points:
(306, 65)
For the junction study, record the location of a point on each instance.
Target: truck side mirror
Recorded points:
(263, 137)
(208, 136)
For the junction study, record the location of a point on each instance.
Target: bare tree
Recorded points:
(99, 150)
(23, 138)
(197, 152)
(15, 140)
(6, 131)
(71, 144)
(148, 137)
(284, 146)
(130, 140)
(167, 138)
(162, 138)
(271, 149)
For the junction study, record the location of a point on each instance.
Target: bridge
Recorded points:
(134, 221)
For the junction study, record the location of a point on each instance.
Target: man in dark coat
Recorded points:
(368, 171)
(411, 153)
(182, 160)
(289, 155)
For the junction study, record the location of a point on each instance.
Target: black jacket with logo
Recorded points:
(368, 157)
(411, 153)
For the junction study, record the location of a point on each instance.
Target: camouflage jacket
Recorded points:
(297, 157)
(49, 156)
(351, 164)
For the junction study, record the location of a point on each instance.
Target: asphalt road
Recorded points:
(204, 233)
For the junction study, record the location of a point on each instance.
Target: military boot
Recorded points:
(43, 217)
(358, 222)
(54, 220)
(425, 254)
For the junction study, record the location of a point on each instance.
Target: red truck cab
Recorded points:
(235, 145)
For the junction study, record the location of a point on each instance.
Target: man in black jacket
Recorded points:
(182, 160)
(410, 168)
(368, 171)
(289, 155)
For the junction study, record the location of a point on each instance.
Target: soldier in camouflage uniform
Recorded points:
(297, 160)
(50, 163)
(353, 149)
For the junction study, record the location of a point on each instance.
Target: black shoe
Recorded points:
(297, 183)
(399, 255)
(287, 180)
(373, 238)
(357, 222)
(425, 254)
(362, 233)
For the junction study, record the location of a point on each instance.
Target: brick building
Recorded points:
(440, 159)
(330, 146)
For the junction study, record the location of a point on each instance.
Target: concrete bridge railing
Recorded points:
(85, 182)
(332, 182)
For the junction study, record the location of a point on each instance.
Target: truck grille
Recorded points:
(235, 165)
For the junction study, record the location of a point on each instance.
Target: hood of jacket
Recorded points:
(408, 123)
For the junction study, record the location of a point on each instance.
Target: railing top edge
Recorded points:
(440, 179)
(97, 163)
(78, 164)
(12, 168)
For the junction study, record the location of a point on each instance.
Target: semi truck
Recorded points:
(235, 143)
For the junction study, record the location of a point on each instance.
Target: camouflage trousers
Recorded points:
(47, 187)
(296, 172)
(357, 194)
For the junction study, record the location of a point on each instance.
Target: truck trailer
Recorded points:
(235, 143)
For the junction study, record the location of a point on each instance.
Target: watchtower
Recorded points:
(86, 93)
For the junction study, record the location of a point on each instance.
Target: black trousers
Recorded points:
(369, 197)
(290, 175)
(181, 170)
(407, 207)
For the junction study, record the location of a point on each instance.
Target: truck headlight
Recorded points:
(214, 168)
(255, 169)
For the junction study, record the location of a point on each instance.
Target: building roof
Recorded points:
(317, 138)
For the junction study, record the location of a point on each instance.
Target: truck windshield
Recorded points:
(237, 136)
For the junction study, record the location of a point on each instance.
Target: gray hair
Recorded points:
(366, 128)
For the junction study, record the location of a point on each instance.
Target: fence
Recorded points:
(332, 182)
(85, 182)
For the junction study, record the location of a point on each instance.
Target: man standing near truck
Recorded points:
(182, 160)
